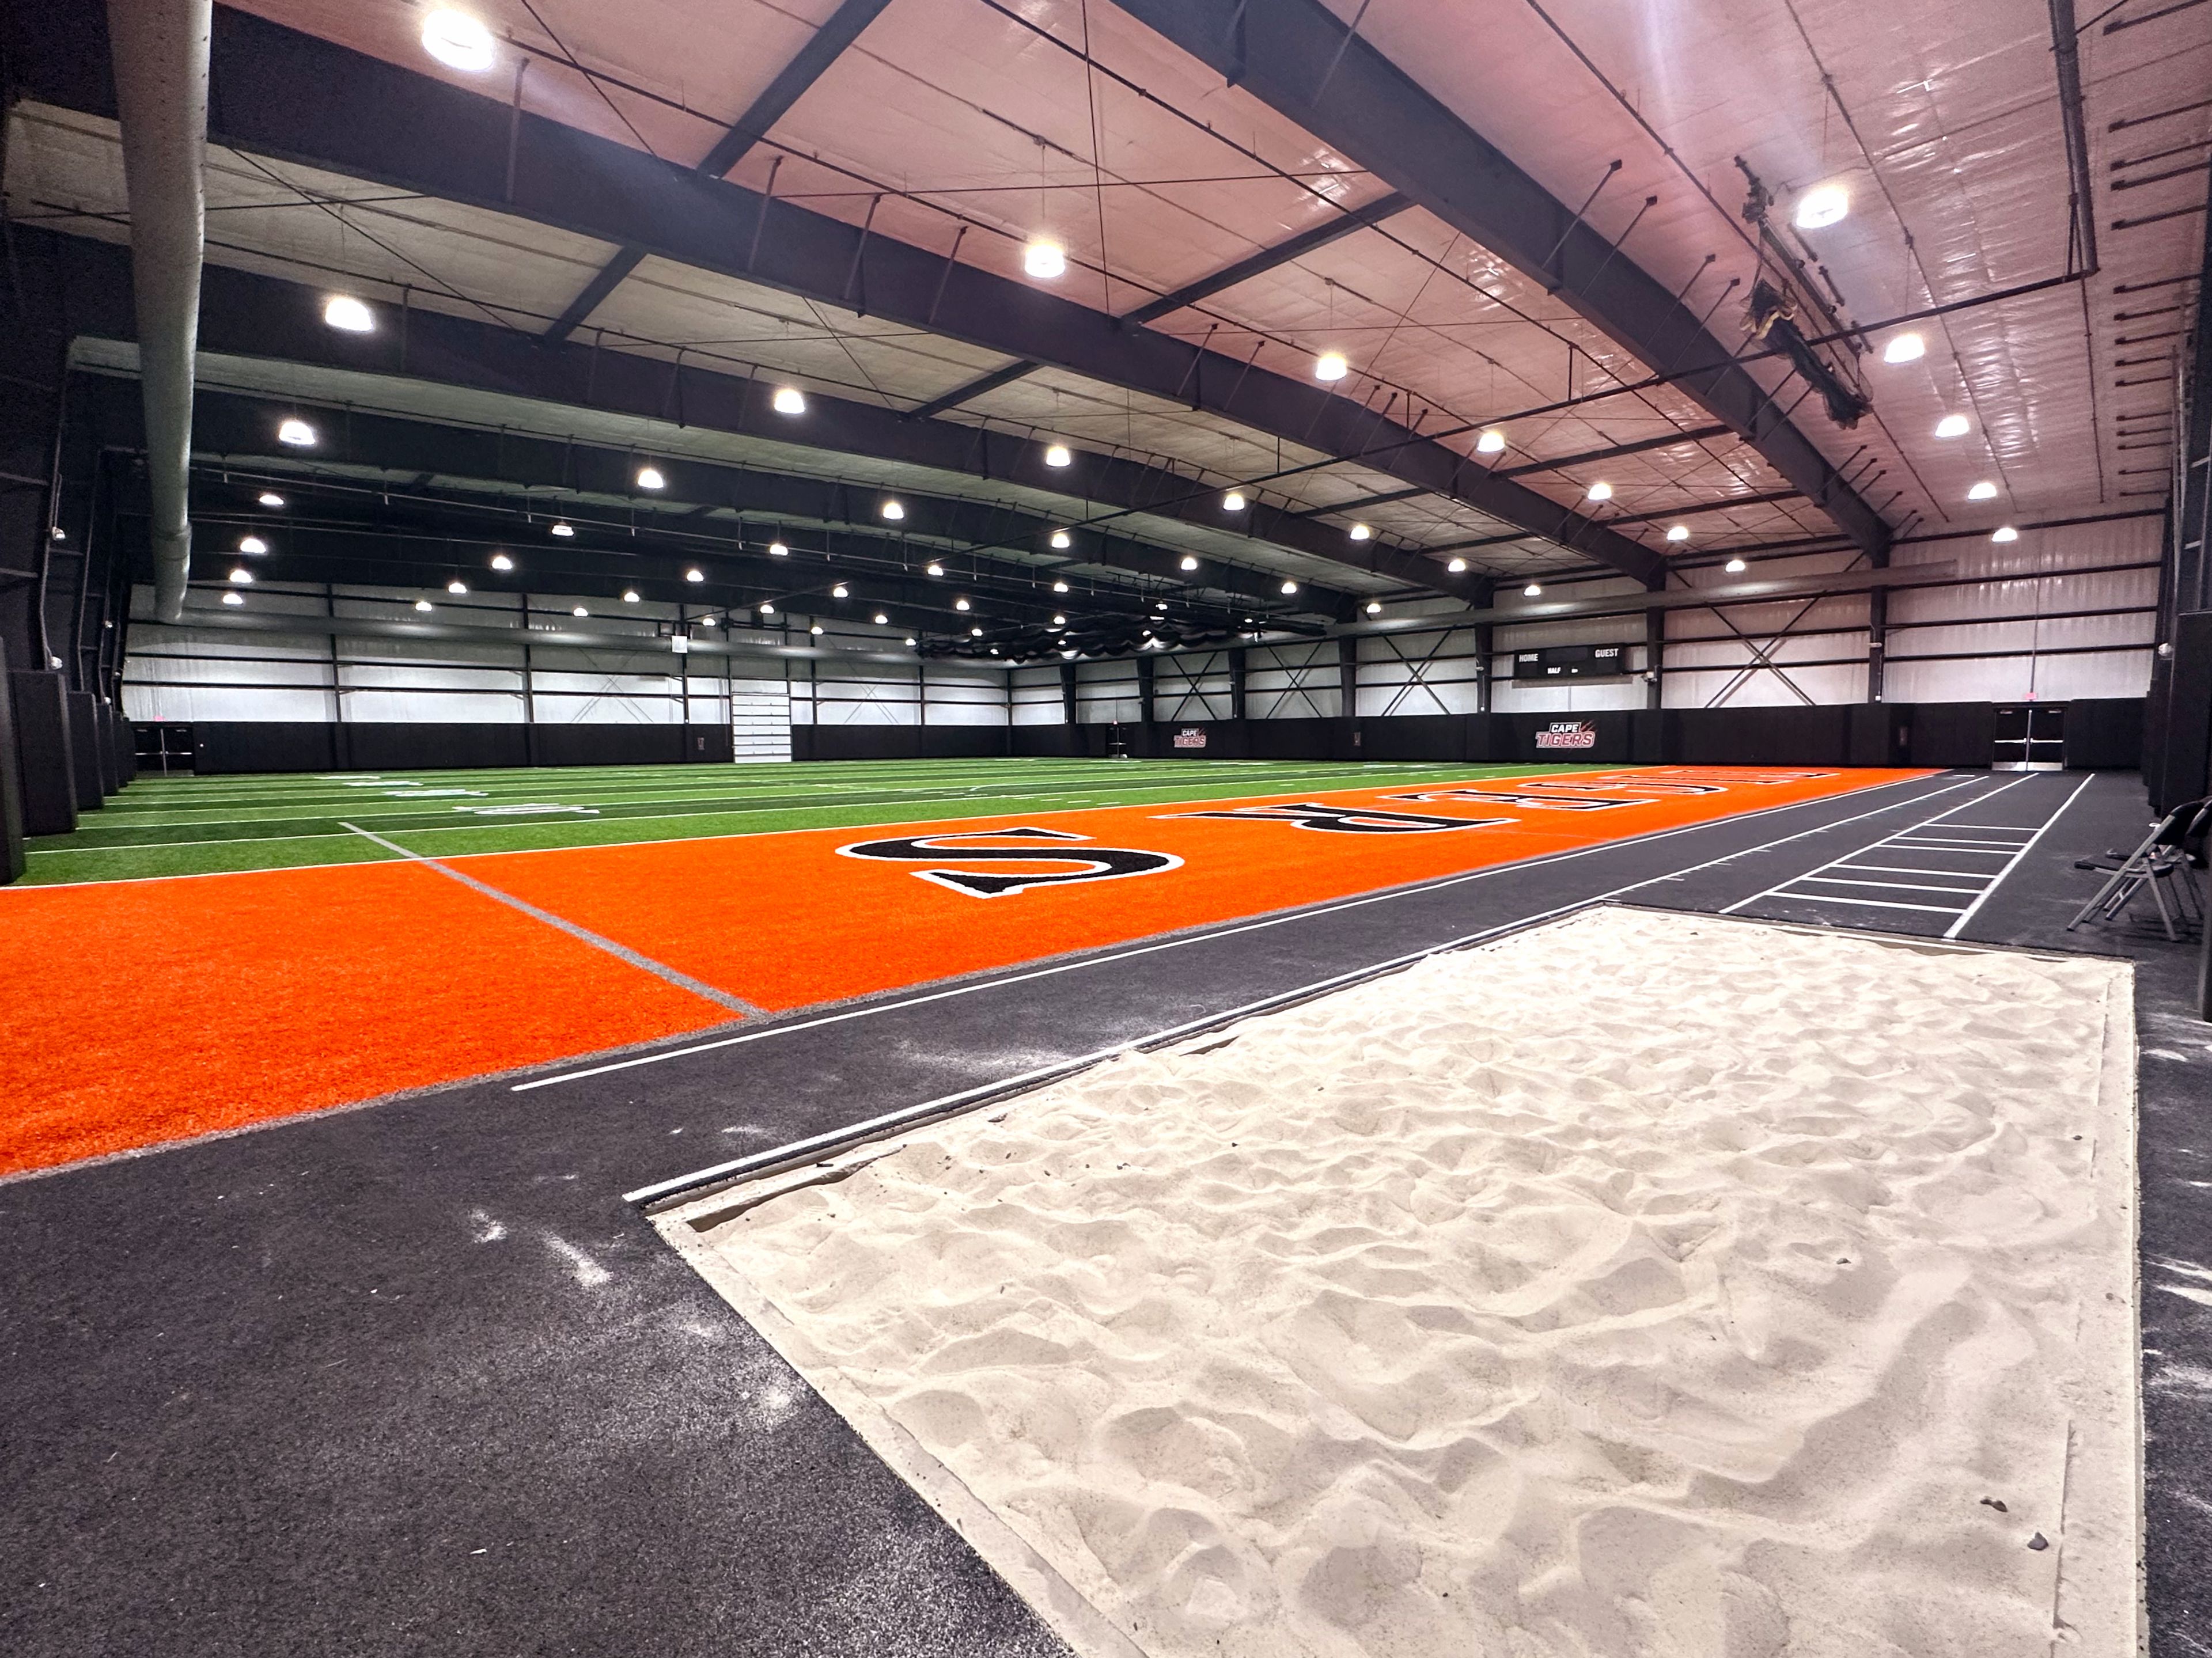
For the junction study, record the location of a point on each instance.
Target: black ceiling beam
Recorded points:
(234, 424)
(811, 62)
(971, 390)
(1287, 251)
(1301, 60)
(246, 315)
(1266, 259)
(280, 93)
(1642, 446)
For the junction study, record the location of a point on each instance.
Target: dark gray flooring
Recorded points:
(414, 1378)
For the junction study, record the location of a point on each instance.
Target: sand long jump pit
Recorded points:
(1640, 1283)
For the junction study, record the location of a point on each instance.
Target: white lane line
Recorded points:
(622, 952)
(1891, 886)
(1942, 845)
(1870, 903)
(939, 1107)
(1908, 869)
(1901, 838)
(1420, 888)
(1998, 880)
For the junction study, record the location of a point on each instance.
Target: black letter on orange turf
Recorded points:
(1100, 863)
(1347, 820)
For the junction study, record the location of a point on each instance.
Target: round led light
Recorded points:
(1983, 491)
(1060, 586)
(457, 585)
(910, 639)
(1736, 567)
(1532, 590)
(271, 498)
(1600, 491)
(767, 608)
(694, 575)
(297, 433)
(501, 562)
(252, 545)
(1234, 501)
(234, 598)
(348, 314)
(1044, 259)
(1374, 607)
(1822, 206)
(458, 40)
(1289, 586)
(960, 604)
(882, 621)
(2004, 532)
(936, 569)
(894, 511)
(630, 595)
(777, 550)
(840, 592)
(1061, 541)
(816, 630)
(1331, 366)
(974, 633)
(1491, 442)
(564, 531)
(1058, 621)
(1362, 533)
(1188, 562)
(1457, 567)
(1058, 455)
(580, 610)
(1679, 532)
(1905, 348)
(421, 604)
(648, 477)
(1951, 425)
(242, 578)
(788, 400)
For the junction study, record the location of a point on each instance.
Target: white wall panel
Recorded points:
(210, 702)
(429, 708)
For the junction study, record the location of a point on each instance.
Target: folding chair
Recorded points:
(2167, 857)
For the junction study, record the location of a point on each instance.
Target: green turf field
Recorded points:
(198, 826)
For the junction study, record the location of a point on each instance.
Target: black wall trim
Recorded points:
(2101, 734)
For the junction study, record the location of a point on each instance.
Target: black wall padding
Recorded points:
(42, 751)
(1795, 736)
(2185, 768)
(83, 714)
(1952, 734)
(2104, 734)
(11, 782)
(1437, 736)
(898, 741)
(261, 746)
(103, 746)
(1513, 737)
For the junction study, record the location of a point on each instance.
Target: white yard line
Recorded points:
(621, 952)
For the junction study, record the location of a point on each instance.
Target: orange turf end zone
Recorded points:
(153, 1010)
(156, 1010)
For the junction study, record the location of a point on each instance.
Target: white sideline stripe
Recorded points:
(1891, 886)
(621, 952)
(1285, 919)
(1901, 838)
(938, 1107)
(1868, 904)
(2026, 846)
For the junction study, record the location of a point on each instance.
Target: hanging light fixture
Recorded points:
(788, 400)
(1044, 259)
(1331, 366)
(1058, 455)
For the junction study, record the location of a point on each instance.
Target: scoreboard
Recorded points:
(1572, 662)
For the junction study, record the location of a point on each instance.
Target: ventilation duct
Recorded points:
(160, 49)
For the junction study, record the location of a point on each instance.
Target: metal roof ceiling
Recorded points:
(974, 125)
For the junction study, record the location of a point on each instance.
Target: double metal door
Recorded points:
(2030, 737)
